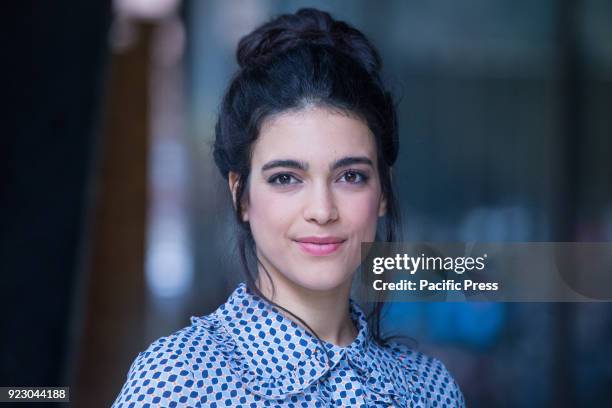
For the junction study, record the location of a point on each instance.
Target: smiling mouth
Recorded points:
(319, 249)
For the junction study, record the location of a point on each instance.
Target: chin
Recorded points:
(321, 280)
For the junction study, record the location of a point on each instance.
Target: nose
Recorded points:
(320, 205)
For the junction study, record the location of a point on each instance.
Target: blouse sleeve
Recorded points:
(159, 376)
(436, 385)
(445, 385)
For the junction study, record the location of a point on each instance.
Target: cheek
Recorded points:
(268, 215)
(363, 214)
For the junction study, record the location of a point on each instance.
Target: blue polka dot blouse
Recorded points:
(248, 354)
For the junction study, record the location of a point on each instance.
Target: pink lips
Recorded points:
(319, 246)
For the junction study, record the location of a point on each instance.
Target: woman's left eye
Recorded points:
(354, 177)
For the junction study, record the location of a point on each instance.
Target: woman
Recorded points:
(306, 138)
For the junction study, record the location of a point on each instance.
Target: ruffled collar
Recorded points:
(275, 357)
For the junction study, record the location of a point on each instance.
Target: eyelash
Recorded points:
(363, 177)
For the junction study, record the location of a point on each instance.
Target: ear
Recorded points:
(233, 185)
(382, 207)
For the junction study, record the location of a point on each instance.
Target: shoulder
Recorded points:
(429, 376)
(165, 373)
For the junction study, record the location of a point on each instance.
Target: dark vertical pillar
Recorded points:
(566, 201)
(113, 333)
(55, 53)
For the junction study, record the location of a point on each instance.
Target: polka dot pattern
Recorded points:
(247, 354)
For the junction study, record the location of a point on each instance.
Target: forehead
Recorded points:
(313, 134)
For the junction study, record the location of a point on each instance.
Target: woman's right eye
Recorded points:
(283, 179)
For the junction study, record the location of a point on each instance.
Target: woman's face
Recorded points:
(314, 195)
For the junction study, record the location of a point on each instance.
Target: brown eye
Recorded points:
(283, 179)
(354, 177)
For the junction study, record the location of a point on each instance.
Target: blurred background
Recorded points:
(115, 226)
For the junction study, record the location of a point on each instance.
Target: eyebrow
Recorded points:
(347, 161)
(300, 165)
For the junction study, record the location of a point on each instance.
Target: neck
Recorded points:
(326, 312)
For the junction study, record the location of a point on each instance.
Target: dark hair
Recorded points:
(293, 61)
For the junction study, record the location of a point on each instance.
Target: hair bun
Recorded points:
(307, 26)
